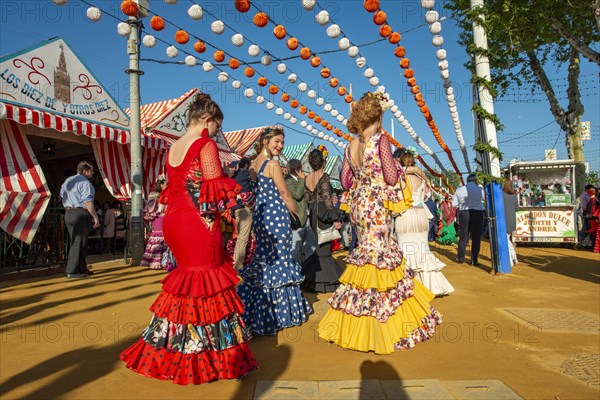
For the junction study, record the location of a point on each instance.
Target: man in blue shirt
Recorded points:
(468, 200)
(77, 194)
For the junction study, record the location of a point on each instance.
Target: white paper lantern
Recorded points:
(270, 105)
(320, 134)
(172, 51)
(302, 87)
(171, 1)
(237, 40)
(451, 103)
(369, 73)
(94, 14)
(253, 50)
(195, 12)
(374, 81)
(335, 113)
(303, 124)
(309, 127)
(345, 122)
(279, 111)
(326, 137)
(60, 2)
(315, 131)
(391, 102)
(266, 60)
(393, 109)
(353, 51)
(401, 119)
(320, 101)
(452, 109)
(293, 120)
(450, 92)
(361, 62)
(428, 4)
(287, 115)
(123, 29)
(343, 43)
(440, 54)
(236, 84)
(328, 107)
(437, 40)
(398, 114)
(223, 76)
(445, 74)
(308, 4)
(431, 16)
(333, 31)
(281, 68)
(149, 41)
(191, 61)
(322, 17)
(292, 78)
(340, 118)
(311, 94)
(435, 28)
(443, 64)
(249, 93)
(217, 27)
(206, 66)
(332, 139)
(260, 99)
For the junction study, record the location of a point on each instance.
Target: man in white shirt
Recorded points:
(468, 200)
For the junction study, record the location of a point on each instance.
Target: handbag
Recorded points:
(325, 235)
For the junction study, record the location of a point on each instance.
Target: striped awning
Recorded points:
(297, 151)
(42, 119)
(153, 113)
(241, 141)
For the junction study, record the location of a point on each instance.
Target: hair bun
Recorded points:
(203, 97)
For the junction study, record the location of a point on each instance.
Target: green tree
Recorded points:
(526, 37)
(593, 178)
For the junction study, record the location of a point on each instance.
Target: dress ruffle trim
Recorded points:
(218, 194)
(321, 274)
(384, 258)
(370, 277)
(413, 322)
(271, 276)
(200, 283)
(197, 311)
(184, 369)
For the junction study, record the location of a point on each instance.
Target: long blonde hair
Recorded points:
(267, 134)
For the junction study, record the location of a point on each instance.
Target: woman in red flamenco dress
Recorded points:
(196, 334)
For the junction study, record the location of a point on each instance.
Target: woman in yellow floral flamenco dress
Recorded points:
(379, 306)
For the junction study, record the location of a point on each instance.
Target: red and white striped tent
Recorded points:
(241, 141)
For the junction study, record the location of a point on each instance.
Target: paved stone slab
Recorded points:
(351, 390)
(480, 390)
(585, 367)
(415, 389)
(286, 390)
(557, 320)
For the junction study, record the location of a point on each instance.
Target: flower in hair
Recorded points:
(412, 150)
(323, 150)
(382, 97)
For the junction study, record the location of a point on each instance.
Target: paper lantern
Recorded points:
(223, 76)
(302, 110)
(320, 101)
(333, 82)
(279, 111)
(206, 66)
(374, 81)
(440, 54)
(285, 97)
(327, 107)
(123, 29)
(435, 28)
(321, 135)
(418, 97)
(172, 51)
(308, 5)
(270, 106)
(242, 5)
(182, 37)
(293, 120)
(219, 55)
(311, 114)
(262, 81)
(217, 27)
(279, 32)
(437, 40)
(234, 63)
(190, 61)
(294, 103)
(195, 12)
(394, 38)
(371, 5)
(315, 61)
(292, 78)
(130, 8)
(157, 23)
(171, 1)
(340, 118)
(431, 16)
(60, 2)
(335, 113)
(237, 40)
(292, 43)
(149, 41)
(368, 73)
(318, 119)
(302, 87)
(394, 108)
(253, 50)
(260, 19)
(405, 63)
(324, 123)
(411, 82)
(421, 103)
(345, 122)
(379, 17)
(361, 62)
(415, 89)
(303, 124)
(336, 142)
(325, 73)
(249, 72)
(443, 64)
(266, 60)
(428, 4)
(260, 99)
(273, 89)
(333, 31)
(94, 14)
(281, 68)
(385, 31)
(353, 51)
(236, 84)
(322, 17)
(400, 52)
(341, 90)
(316, 132)
(249, 93)
(305, 53)
(445, 74)
(311, 94)
(343, 43)
(200, 46)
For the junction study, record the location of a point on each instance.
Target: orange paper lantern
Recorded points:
(421, 103)
(182, 37)
(427, 115)
(329, 127)
(405, 63)
(348, 98)
(302, 110)
(394, 38)
(371, 5)
(315, 61)
(380, 17)
(409, 73)
(311, 114)
(346, 136)
(411, 82)
(242, 5)
(418, 97)
(219, 55)
(285, 97)
(294, 103)
(273, 89)
(318, 119)
(249, 72)
(333, 82)
(400, 51)
(279, 32)
(200, 46)
(130, 7)
(262, 81)
(234, 63)
(415, 89)
(424, 109)
(325, 73)
(305, 53)
(324, 123)
(157, 23)
(385, 30)
(292, 43)
(260, 19)
(341, 90)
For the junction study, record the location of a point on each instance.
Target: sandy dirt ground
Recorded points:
(536, 330)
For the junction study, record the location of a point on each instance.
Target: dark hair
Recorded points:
(407, 160)
(203, 106)
(294, 165)
(588, 187)
(117, 205)
(316, 159)
(267, 134)
(158, 185)
(244, 163)
(398, 152)
(84, 166)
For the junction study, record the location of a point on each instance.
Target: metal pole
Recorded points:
(136, 227)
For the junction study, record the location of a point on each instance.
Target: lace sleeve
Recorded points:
(210, 163)
(325, 192)
(388, 164)
(347, 174)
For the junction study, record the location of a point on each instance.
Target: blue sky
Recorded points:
(24, 23)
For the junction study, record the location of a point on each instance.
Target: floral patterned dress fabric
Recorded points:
(379, 306)
(196, 334)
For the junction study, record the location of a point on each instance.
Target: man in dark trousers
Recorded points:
(468, 200)
(433, 222)
(77, 194)
(243, 211)
(303, 238)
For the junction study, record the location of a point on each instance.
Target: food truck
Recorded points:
(546, 192)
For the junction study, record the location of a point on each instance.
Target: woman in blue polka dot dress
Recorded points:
(271, 282)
